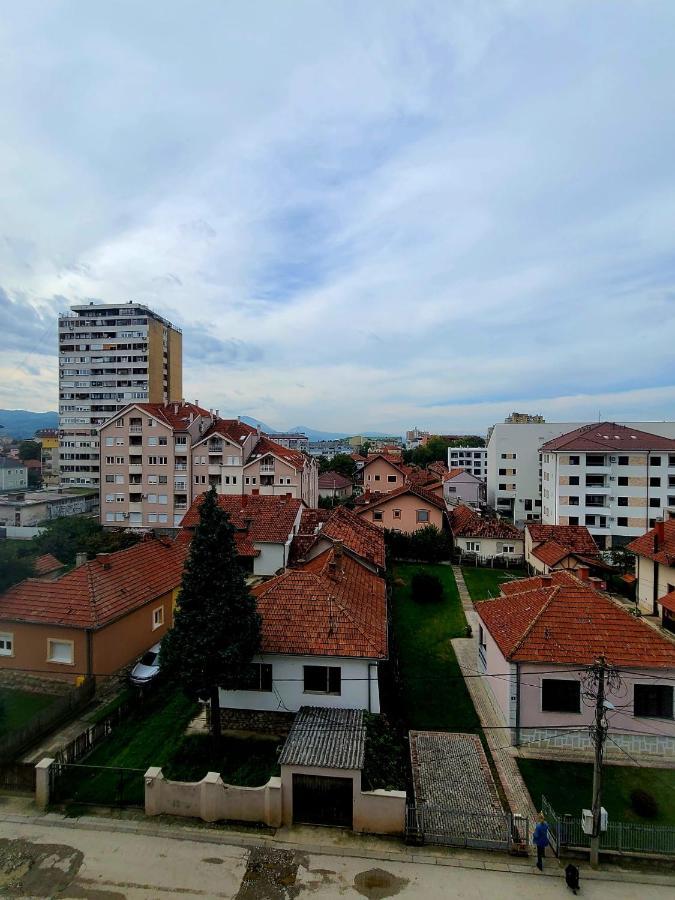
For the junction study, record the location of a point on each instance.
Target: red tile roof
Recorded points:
(574, 537)
(668, 601)
(566, 622)
(330, 606)
(233, 429)
(333, 481)
(46, 564)
(310, 524)
(649, 546)
(453, 473)
(608, 437)
(265, 446)
(361, 537)
(32, 463)
(256, 519)
(100, 591)
(175, 415)
(465, 522)
(368, 501)
(551, 552)
(393, 461)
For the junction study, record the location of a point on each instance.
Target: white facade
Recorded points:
(359, 687)
(514, 464)
(464, 488)
(13, 475)
(617, 496)
(109, 356)
(471, 459)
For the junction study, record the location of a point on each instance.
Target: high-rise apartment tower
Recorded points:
(109, 356)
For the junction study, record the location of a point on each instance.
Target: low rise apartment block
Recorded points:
(471, 459)
(614, 479)
(13, 474)
(157, 457)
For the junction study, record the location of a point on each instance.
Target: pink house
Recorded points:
(382, 474)
(406, 509)
(535, 644)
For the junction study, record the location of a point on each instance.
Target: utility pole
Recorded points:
(599, 733)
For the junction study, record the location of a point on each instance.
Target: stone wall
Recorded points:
(35, 684)
(261, 721)
(635, 744)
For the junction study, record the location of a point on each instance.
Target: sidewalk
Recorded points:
(496, 735)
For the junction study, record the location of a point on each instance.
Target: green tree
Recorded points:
(341, 462)
(216, 630)
(14, 565)
(30, 450)
(469, 440)
(66, 537)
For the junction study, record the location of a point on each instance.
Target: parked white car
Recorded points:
(147, 668)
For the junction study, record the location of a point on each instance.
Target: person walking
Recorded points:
(540, 839)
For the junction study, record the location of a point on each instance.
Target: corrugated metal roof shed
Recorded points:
(326, 738)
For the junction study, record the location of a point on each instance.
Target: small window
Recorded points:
(574, 461)
(473, 546)
(422, 515)
(574, 479)
(322, 679)
(120, 422)
(622, 501)
(257, 677)
(653, 701)
(376, 477)
(60, 652)
(622, 521)
(560, 695)
(655, 461)
(622, 481)
(623, 460)
(157, 617)
(391, 479)
(397, 513)
(6, 644)
(655, 481)
(573, 520)
(377, 515)
(655, 502)
(110, 479)
(110, 442)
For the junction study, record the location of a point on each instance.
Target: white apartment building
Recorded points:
(471, 459)
(514, 463)
(614, 479)
(109, 356)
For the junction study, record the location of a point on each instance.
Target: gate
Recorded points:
(318, 800)
(17, 777)
(432, 824)
(97, 785)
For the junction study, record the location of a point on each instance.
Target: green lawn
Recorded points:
(483, 582)
(568, 787)
(17, 708)
(246, 761)
(434, 693)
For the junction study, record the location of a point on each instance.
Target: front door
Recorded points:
(318, 800)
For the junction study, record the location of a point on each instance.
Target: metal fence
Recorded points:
(17, 777)
(427, 823)
(565, 832)
(96, 785)
(46, 720)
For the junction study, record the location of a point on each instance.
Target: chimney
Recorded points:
(583, 573)
(248, 521)
(659, 534)
(338, 547)
(217, 412)
(175, 409)
(80, 559)
(104, 560)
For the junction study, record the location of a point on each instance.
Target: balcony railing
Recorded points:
(267, 470)
(135, 429)
(180, 467)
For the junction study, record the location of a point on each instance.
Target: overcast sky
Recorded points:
(363, 214)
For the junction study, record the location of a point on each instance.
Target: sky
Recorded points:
(364, 214)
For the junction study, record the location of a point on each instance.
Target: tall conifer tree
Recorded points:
(216, 630)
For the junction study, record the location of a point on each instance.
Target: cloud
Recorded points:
(431, 216)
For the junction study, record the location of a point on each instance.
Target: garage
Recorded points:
(321, 800)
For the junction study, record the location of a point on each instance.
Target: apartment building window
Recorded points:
(163, 518)
(157, 617)
(671, 460)
(573, 501)
(528, 505)
(654, 481)
(110, 479)
(653, 701)
(655, 502)
(6, 644)
(163, 442)
(119, 460)
(110, 517)
(60, 652)
(560, 695)
(120, 422)
(622, 481)
(110, 460)
(654, 460)
(109, 498)
(622, 501)
(163, 479)
(110, 442)
(574, 479)
(152, 518)
(622, 522)
(623, 460)
(152, 442)
(573, 520)
(574, 461)
(256, 677)
(119, 442)
(156, 460)
(163, 499)
(152, 498)
(152, 479)
(322, 679)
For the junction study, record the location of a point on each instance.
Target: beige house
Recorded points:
(382, 475)
(405, 509)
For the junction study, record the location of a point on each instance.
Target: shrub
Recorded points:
(644, 804)
(385, 764)
(426, 588)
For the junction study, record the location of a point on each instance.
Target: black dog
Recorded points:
(572, 877)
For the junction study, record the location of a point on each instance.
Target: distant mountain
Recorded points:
(263, 427)
(22, 423)
(315, 435)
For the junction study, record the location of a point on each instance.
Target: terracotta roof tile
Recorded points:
(175, 415)
(310, 524)
(649, 546)
(465, 522)
(333, 481)
(266, 446)
(574, 537)
(46, 564)
(608, 437)
(256, 519)
(100, 591)
(551, 552)
(330, 606)
(566, 622)
(368, 501)
(668, 601)
(361, 537)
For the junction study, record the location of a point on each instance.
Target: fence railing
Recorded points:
(17, 777)
(96, 785)
(427, 823)
(565, 832)
(46, 720)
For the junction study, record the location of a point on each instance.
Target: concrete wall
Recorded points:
(288, 694)
(212, 800)
(272, 558)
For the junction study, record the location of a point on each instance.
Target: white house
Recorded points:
(655, 570)
(460, 486)
(535, 644)
(485, 538)
(324, 633)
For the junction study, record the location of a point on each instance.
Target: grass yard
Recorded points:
(434, 693)
(568, 787)
(483, 582)
(17, 708)
(246, 761)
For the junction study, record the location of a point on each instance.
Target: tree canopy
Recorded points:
(341, 462)
(30, 450)
(66, 537)
(216, 629)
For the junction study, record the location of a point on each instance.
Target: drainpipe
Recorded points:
(90, 653)
(517, 704)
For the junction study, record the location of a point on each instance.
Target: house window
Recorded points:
(6, 644)
(322, 679)
(653, 701)
(422, 515)
(528, 505)
(473, 546)
(508, 548)
(377, 477)
(451, 490)
(391, 479)
(120, 422)
(397, 513)
(152, 442)
(655, 461)
(560, 695)
(157, 617)
(110, 479)
(377, 515)
(256, 677)
(60, 652)
(110, 442)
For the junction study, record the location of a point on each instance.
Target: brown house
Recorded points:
(94, 620)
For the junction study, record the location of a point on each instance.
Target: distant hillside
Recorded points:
(263, 427)
(21, 423)
(311, 433)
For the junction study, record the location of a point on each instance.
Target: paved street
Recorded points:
(102, 864)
